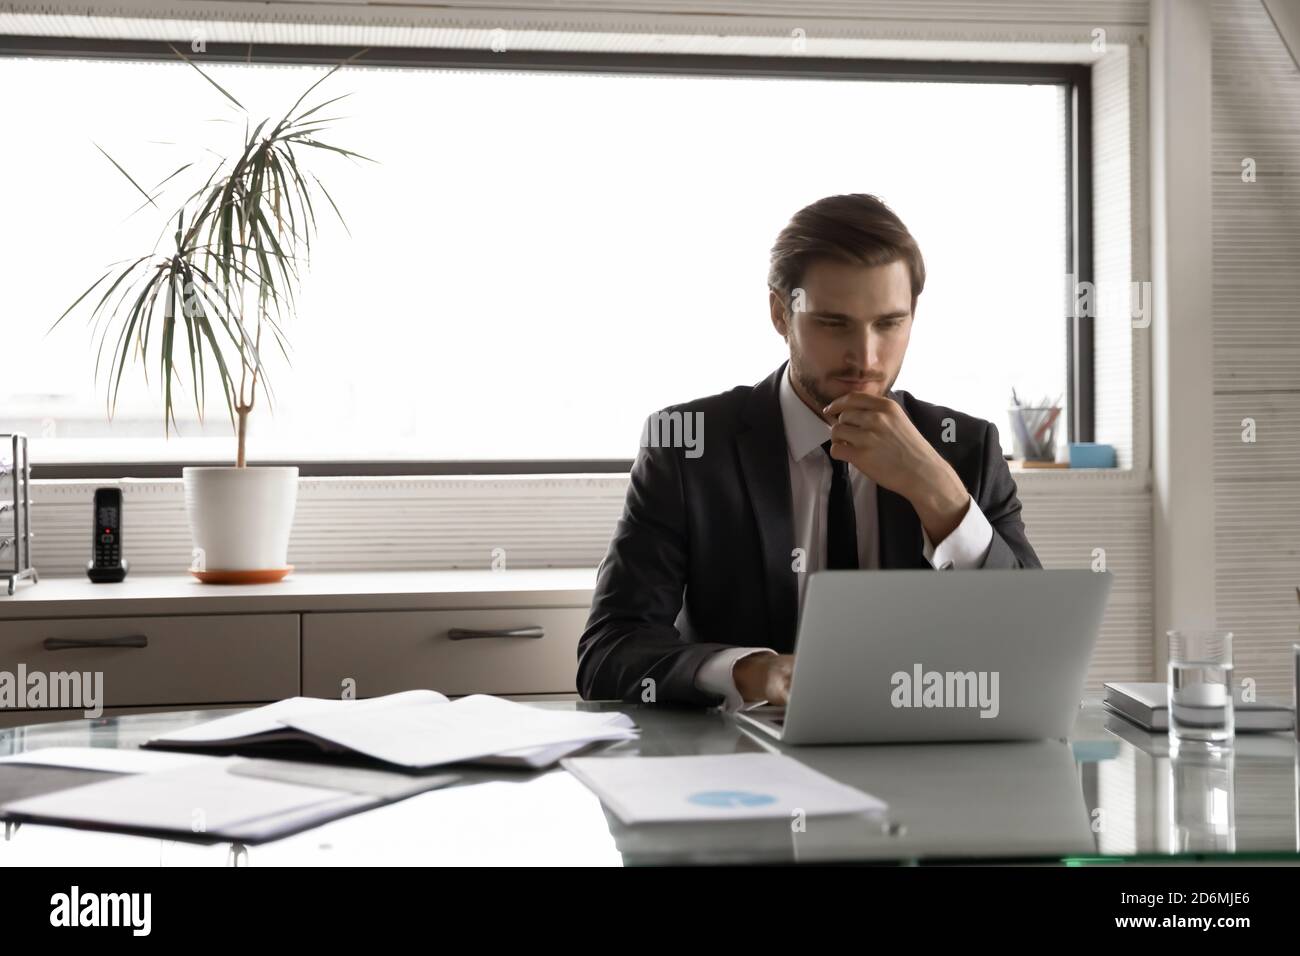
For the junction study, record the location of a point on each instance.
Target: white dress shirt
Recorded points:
(810, 484)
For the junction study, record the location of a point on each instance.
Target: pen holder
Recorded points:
(1033, 431)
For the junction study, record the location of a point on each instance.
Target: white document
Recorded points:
(108, 759)
(722, 787)
(427, 734)
(272, 717)
(205, 798)
(537, 757)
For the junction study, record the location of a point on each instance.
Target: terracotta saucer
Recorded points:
(259, 576)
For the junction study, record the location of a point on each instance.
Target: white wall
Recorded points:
(1182, 403)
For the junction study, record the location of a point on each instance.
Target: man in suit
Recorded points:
(820, 465)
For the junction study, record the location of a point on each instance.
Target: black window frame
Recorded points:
(1075, 77)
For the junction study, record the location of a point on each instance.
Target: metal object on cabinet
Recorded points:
(16, 536)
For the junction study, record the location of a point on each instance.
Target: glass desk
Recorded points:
(1109, 793)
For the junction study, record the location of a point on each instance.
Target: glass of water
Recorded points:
(1200, 688)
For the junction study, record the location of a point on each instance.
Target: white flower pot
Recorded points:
(240, 519)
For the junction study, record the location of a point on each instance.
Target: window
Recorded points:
(539, 258)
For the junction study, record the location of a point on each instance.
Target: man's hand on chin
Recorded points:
(875, 436)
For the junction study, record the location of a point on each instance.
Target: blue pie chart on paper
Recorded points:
(731, 798)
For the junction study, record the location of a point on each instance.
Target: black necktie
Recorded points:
(841, 526)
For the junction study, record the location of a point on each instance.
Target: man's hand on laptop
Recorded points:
(874, 435)
(764, 677)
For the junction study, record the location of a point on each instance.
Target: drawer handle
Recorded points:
(71, 643)
(473, 634)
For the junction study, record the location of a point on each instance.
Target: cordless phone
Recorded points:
(107, 566)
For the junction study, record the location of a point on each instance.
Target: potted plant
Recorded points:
(227, 285)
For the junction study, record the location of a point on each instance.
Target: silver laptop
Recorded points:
(909, 656)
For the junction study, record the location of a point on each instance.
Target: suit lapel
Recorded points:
(764, 466)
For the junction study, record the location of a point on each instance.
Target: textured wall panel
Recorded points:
(1256, 341)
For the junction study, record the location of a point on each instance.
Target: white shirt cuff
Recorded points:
(714, 676)
(966, 547)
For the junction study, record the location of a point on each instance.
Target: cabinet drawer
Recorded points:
(389, 651)
(226, 658)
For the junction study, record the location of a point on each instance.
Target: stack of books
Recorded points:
(1147, 705)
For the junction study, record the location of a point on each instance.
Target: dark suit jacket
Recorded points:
(701, 558)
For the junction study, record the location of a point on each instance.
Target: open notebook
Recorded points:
(414, 730)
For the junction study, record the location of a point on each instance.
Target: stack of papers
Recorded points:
(414, 730)
(725, 787)
(179, 786)
(105, 759)
(211, 798)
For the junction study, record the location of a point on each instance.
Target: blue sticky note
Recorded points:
(1088, 454)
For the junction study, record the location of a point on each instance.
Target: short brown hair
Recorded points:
(855, 228)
